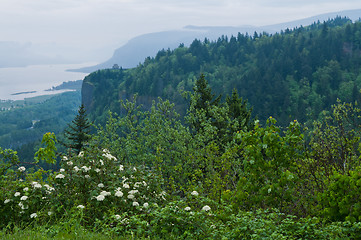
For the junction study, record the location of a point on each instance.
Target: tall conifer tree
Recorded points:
(78, 131)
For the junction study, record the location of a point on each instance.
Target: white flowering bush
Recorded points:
(189, 217)
(23, 193)
(30, 200)
(94, 182)
(100, 183)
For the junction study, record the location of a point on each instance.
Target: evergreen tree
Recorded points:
(208, 116)
(204, 91)
(201, 102)
(78, 131)
(238, 111)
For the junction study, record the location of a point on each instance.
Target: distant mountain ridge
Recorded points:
(147, 45)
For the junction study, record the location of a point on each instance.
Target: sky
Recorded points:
(100, 26)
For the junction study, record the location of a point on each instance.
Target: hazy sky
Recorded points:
(97, 24)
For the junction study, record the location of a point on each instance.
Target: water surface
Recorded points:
(18, 83)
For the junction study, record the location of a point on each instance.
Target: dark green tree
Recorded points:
(206, 97)
(214, 120)
(239, 111)
(78, 131)
(201, 101)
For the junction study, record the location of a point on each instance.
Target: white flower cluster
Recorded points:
(23, 198)
(194, 193)
(60, 176)
(65, 159)
(36, 185)
(102, 195)
(163, 194)
(49, 189)
(206, 208)
(107, 154)
(85, 168)
(22, 206)
(118, 193)
(132, 192)
(21, 169)
(105, 193)
(138, 184)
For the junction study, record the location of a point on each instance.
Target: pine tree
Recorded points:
(206, 97)
(239, 111)
(201, 102)
(208, 116)
(78, 131)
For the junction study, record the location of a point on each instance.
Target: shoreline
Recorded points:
(20, 93)
(31, 81)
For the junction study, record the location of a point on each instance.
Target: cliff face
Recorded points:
(87, 95)
(103, 91)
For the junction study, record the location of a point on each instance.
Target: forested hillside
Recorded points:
(295, 74)
(23, 126)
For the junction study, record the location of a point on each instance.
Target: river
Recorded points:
(18, 83)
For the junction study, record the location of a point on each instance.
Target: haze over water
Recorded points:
(36, 78)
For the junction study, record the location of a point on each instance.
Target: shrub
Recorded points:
(341, 200)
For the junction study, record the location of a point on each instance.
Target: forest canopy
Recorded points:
(295, 74)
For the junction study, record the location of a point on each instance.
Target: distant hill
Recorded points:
(140, 47)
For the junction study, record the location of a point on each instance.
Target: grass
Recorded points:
(56, 232)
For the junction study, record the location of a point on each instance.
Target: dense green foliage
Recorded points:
(152, 173)
(290, 75)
